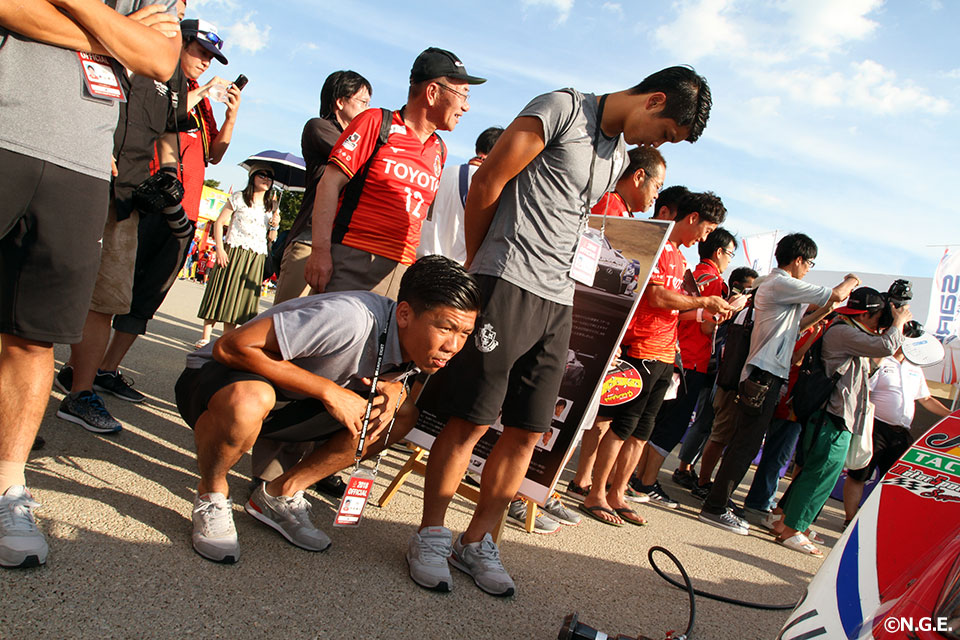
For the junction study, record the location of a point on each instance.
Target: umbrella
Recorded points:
(289, 171)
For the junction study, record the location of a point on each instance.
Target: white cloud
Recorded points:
(247, 34)
(826, 25)
(953, 74)
(703, 28)
(873, 87)
(613, 7)
(562, 7)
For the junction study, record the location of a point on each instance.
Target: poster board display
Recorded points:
(601, 314)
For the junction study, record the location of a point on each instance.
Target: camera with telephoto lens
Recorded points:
(899, 294)
(162, 193)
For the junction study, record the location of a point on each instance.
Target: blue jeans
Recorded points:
(699, 431)
(777, 450)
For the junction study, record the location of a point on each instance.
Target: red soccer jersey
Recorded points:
(613, 203)
(652, 334)
(694, 343)
(400, 186)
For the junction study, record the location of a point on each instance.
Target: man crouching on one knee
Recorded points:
(302, 371)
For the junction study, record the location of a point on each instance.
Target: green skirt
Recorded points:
(233, 292)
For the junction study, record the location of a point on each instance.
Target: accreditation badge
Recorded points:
(100, 79)
(354, 498)
(586, 258)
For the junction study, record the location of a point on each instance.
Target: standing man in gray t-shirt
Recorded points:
(56, 136)
(525, 211)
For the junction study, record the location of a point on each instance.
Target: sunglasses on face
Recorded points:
(263, 174)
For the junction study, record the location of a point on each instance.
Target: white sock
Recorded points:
(11, 475)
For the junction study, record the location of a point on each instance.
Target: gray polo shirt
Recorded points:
(334, 335)
(44, 112)
(778, 305)
(534, 232)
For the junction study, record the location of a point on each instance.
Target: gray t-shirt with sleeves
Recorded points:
(44, 112)
(534, 232)
(334, 335)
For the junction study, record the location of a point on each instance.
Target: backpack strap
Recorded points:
(464, 183)
(351, 193)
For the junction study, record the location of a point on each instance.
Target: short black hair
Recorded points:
(740, 275)
(719, 238)
(561, 402)
(706, 203)
(688, 97)
(340, 85)
(487, 139)
(793, 246)
(646, 158)
(671, 197)
(437, 281)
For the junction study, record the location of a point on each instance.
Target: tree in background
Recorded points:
(210, 182)
(289, 208)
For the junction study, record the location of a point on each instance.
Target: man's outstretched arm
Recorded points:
(39, 20)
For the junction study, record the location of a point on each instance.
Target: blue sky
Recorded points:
(837, 118)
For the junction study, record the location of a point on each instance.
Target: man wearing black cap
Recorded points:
(525, 211)
(848, 344)
(366, 240)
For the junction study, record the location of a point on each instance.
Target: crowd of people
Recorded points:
(394, 260)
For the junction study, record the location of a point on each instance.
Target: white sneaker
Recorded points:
(21, 543)
(427, 556)
(290, 516)
(481, 560)
(214, 534)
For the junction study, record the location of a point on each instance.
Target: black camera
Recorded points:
(899, 294)
(912, 329)
(162, 194)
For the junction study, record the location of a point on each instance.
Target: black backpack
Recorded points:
(735, 351)
(813, 387)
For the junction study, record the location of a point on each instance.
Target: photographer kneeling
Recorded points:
(302, 371)
(848, 344)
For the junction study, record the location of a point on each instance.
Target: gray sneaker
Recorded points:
(87, 410)
(556, 510)
(427, 556)
(481, 560)
(290, 516)
(64, 379)
(725, 520)
(214, 535)
(21, 543)
(117, 384)
(542, 523)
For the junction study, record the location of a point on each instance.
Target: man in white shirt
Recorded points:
(894, 388)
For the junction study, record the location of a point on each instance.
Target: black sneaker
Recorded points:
(64, 379)
(701, 491)
(86, 409)
(685, 478)
(657, 495)
(725, 520)
(114, 382)
(331, 486)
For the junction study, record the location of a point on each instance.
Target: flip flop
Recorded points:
(629, 515)
(592, 512)
(801, 543)
(576, 490)
(814, 536)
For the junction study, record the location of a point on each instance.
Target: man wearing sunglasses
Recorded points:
(56, 138)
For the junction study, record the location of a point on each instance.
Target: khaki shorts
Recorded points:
(291, 282)
(724, 413)
(113, 291)
(357, 270)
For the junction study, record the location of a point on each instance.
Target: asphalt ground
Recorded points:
(116, 512)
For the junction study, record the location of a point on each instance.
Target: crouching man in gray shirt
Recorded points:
(302, 371)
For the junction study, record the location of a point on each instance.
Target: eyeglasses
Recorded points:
(810, 263)
(262, 174)
(210, 37)
(728, 253)
(465, 96)
(362, 103)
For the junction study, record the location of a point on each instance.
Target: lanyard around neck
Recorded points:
(593, 162)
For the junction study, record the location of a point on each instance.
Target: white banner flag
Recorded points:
(944, 310)
(758, 251)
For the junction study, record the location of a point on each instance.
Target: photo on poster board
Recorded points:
(601, 314)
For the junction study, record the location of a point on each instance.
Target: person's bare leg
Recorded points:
(228, 327)
(120, 343)
(607, 454)
(630, 454)
(227, 429)
(588, 452)
(852, 493)
(26, 373)
(207, 330)
(637, 471)
(708, 462)
(448, 461)
(502, 475)
(86, 355)
(651, 466)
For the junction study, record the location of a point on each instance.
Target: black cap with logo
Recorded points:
(206, 35)
(439, 63)
(862, 300)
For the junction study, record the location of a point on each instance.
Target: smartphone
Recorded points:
(241, 82)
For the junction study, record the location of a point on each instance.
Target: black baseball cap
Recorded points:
(205, 33)
(862, 300)
(438, 63)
